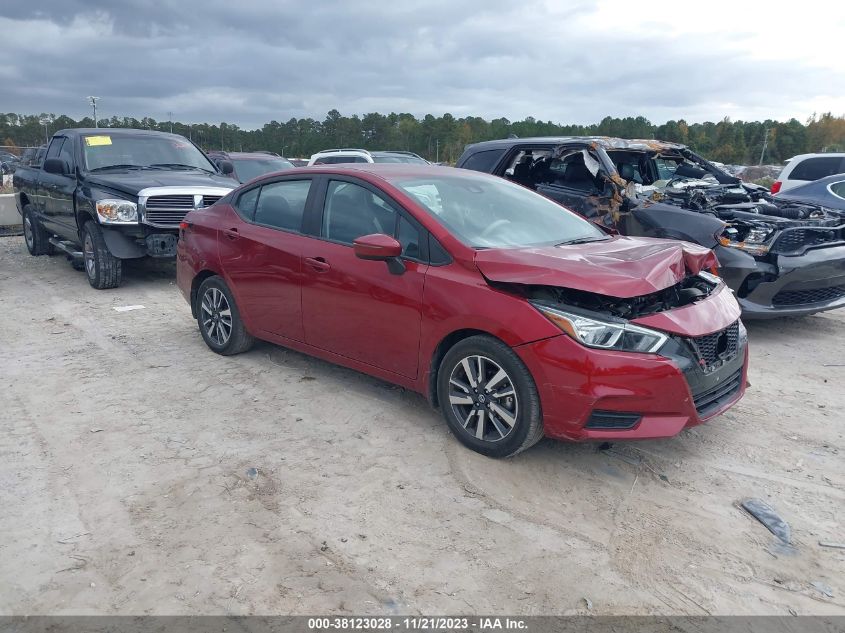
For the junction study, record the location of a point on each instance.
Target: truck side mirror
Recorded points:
(226, 167)
(55, 166)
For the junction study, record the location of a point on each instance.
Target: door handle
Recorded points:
(232, 233)
(319, 264)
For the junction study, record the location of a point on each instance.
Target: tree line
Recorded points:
(443, 138)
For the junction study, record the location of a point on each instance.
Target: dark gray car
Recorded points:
(780, 257)
(828, 192)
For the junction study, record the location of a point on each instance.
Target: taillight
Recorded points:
(183, 225)
(776, 186)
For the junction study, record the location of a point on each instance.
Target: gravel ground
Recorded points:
(142, 474)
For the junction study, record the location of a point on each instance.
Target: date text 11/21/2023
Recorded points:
(417, 623)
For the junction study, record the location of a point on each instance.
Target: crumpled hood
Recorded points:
(131, 182)
(618, 267)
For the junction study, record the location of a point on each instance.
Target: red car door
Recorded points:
(261, 254)
(357, 308)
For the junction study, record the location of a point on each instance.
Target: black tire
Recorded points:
(524, 408)
(103, 269)
(214, 303)
(36, 238)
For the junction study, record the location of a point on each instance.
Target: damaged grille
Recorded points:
(714, 350)
(803, 297)
(711, 399)
(170, 210)
(796, 240)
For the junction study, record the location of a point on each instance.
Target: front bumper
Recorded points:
(140, 241)
(791, 286)
(661, 394)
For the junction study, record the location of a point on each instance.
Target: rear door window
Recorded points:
(281, 205)
(838, 189)
(815, 168)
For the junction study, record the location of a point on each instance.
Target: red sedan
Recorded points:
(515, 317)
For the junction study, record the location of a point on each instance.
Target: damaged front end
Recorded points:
(780, 257)
(693, 331)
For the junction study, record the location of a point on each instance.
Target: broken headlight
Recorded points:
(752, 240)
(117, 212)
(594, 332)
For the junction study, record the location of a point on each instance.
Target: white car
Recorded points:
(806, 168)
(352, 155)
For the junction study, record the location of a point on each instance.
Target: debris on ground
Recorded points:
(588, 602)
(831, 544)
(822, 588)
(607, 449)
(252, 473)
(766, 515)
(127, 308)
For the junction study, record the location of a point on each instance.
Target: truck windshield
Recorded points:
(126, 151)
(493, 213)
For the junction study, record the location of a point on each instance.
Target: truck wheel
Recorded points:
(36, 238)
(101, 267)
(219, 319)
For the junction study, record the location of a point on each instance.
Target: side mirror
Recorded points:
(226, 167)
(55, 166)
(378, 247)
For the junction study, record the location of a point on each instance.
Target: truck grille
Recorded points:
(170, 210)
(713, 398)
(714, 350)
(803, 297)
(796, 240)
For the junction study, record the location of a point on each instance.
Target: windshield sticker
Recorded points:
(93, 141)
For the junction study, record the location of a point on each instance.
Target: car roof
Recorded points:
(115, 131)
(606, 142)
(388, 172)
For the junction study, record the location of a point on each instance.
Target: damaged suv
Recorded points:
(780, 257)
(517, 318)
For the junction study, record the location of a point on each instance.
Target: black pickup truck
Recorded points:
(105, 195)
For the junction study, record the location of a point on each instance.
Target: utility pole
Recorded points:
(45, 122)
(93, 102)
(765, 144)
(170, 116)
(437, 145)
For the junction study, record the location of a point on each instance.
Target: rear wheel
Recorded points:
(103, 269)
(488, 397)
(219, 319)
(36, 238)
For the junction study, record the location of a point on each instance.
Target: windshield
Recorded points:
(399, 158)
(124, 151)
(494, 213)
(249, 168)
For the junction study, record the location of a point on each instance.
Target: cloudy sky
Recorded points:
(251, 61)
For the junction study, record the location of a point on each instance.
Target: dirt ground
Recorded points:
(142, 474)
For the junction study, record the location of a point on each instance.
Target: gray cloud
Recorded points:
(248, 62)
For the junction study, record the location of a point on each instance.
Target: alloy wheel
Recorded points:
(216, 316)
(88, 253)
(483, 398)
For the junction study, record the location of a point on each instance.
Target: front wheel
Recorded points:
(219, 319)
(489, 398)
(103, 269)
